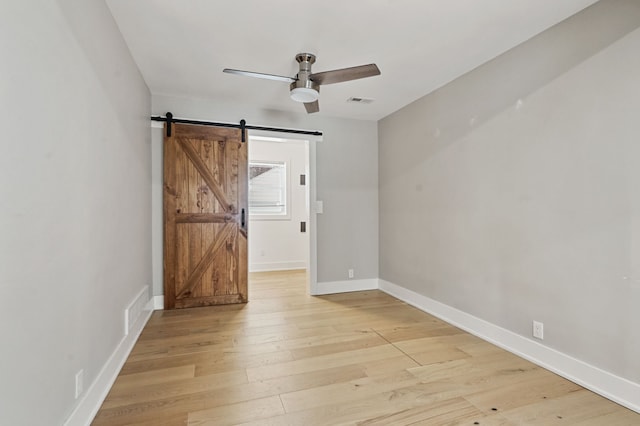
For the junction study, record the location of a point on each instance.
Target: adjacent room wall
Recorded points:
(75, 204)
(277, 243)
(513, 193)
(346, 181)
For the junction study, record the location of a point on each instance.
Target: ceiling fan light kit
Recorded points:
(304, 94)
(305, 86)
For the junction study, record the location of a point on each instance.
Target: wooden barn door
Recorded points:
(205, 216)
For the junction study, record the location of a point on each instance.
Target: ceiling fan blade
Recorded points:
(312, 107)
(260, 75)
(345, 74)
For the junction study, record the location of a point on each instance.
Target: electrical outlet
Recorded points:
(538, 330)
(350, 273)
(79, 383)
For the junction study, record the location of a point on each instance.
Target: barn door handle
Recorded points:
(242, 218)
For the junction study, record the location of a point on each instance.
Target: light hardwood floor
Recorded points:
(356, 358)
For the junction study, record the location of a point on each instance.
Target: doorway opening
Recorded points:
(280, 218)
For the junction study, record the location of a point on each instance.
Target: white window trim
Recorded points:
(287, 177)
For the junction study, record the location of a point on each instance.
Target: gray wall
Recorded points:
(513, 193)
(75, 203)
(346, 181)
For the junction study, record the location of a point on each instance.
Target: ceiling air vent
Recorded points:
(360, 100)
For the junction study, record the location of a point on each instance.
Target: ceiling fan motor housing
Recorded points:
(304, 83)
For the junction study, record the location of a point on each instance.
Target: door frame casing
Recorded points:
(312, 225)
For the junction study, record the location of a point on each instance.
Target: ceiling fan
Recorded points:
(305, 86)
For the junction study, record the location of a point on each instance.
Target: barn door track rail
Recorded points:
(170, 119)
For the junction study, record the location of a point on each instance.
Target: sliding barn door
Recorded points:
(205, 216)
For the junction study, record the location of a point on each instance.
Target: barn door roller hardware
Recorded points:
(243, 126)
(243, 129)
(169, 121)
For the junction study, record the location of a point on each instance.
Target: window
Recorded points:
(268, 189)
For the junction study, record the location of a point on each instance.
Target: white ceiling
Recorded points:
(181, 47)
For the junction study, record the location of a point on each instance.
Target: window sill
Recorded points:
(259, 218)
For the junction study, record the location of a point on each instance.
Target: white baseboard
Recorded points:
(156, 303)
(332, 287)
(615, 388)
(90, 403)
(277, 266)
(135, 309)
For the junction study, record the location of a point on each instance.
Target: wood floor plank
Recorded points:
(321, 362)
(445, 412)
(345, 343)
(349, 391)
(287, 358)
(418, 344)
(155, 377)
(519, 390)
(370, 407)
(616, 417)
(142, 393)
(429, 327)
(178, 419)
(437, 353)
(572, 408)
(234, 414)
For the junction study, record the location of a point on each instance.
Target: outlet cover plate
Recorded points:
(538, 330)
